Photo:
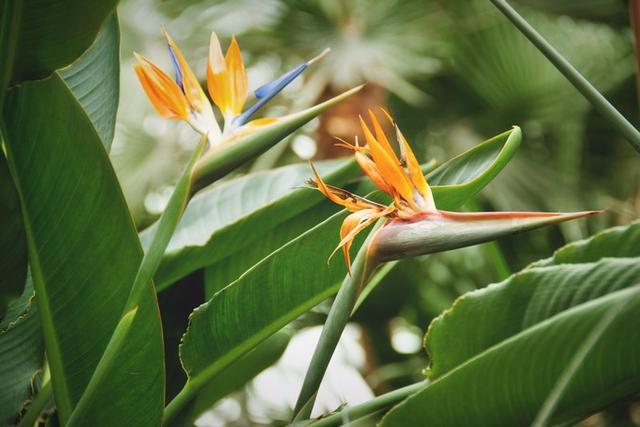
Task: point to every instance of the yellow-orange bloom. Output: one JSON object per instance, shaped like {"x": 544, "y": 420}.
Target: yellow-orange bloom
{"x": 182, "y": 97}
{"x": 227, "y": 78}
{"x": 401, "y": 178}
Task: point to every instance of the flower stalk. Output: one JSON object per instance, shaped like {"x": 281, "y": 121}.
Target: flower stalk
{"x": 341, "y": 310}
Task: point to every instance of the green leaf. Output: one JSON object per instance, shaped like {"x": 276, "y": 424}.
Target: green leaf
{"x": 235, "y": 376}
{"x": 246, "y": 144}
{"x": 486, "y": 347}
{"x": 619, "y": 241}
{"x": 94, "y": 80}
{"x": 48, "y": 35}
{"x": 275, "y": 291}
{"x": 13, "y": 245}
{"x": 76, "y": 220}
{"x": 105, "y": 367}
{"x": 239, "y": 212}
{"x": 462, "y": 177}
{"x": 21, "y": 355}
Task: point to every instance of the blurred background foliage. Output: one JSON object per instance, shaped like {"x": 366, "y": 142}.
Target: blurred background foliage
{"x": 453, "y": 72}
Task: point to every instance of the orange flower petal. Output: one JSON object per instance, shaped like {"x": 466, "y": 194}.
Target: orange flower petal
{"x": 415, "y": 172}
{"x": 388, "y": 166}
{"x": 351, "y": 226}
{"x": 366, "y": 164}
{"x": 164, "y": 94}
{"x": 354, "y": 224}
{"x": 192, "y": 89}
{"x": 342, "y": 197}
{"x": 238, "y": 84}
{"x": 380, "y": 136}
{"x": 217, "y": 82}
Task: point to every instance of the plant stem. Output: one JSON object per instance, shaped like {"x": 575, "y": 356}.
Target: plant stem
{"x": 596, "y": 99}
{"x": 336, "y": 322}
{"x": 381, "y": 402}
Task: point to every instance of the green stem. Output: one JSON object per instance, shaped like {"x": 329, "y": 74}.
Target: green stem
{"x": 166, "y": 227}
{"x": 337, "y": 319}
{"x": 179, "y": 404}
{"x": 374, "y": 405}
{"x": 37, "y": 406}
{"x": 598, "y": 101}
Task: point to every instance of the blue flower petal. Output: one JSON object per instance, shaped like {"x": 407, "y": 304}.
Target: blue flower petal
{"x": 266, "y": 92}
{"x": 176, "y": 65}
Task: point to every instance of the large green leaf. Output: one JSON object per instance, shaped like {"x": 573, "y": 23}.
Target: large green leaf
{"x": 93, "y": 80}
{"x": 275, "y": 291}
{"x": 238, "y": 212}
{"x": 288, "y": 281}
{"x": 51, "y": 34}
{"x": 506, "y": 346}
{"x": 13, "y": 246}
{"x": 235, "y": 376}
{"x": 619, "y": 241}
{"x": 21, "y": 355}
{"x": 84, "y": 254}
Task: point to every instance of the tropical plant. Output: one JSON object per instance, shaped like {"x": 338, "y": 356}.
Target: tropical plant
{"x": 104, "y": 324}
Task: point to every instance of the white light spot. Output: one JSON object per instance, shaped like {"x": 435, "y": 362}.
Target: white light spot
{"x": 304, "y": 147}
{"x": 405, "y": 338}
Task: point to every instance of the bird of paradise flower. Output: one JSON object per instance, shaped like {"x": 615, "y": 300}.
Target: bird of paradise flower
{"x": 416, "y": 226}
{"x": 182, "y": 97}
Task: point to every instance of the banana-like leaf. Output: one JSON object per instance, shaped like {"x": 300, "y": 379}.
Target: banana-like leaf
{"x": 76, "y": 220}
{"x": 47, "y": 35}
{"x": 239, "y": 212}
{"x": 235, "y": 376}
{"x": 619, "y": 241}
{"x": 506, "y": 346}
{"x": 13, "y": 245}
{"x": 93, "y": 80}
{"x": 288, "y": 281}
{"x": 248, "y": 142}
{"x": 21, "y": 355}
